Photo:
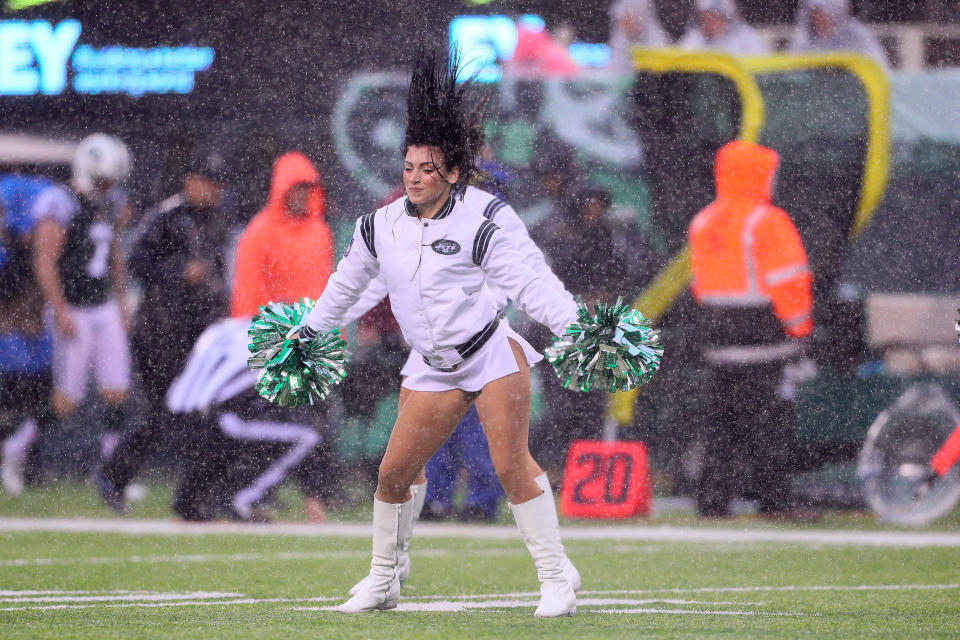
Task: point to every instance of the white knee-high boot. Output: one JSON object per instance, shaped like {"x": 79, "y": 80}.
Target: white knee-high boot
{"x": 419, "y": 493}
{"x": 573, "y": 576}
{"x": 391, "y": 526}
{"x": 537, "y": 520}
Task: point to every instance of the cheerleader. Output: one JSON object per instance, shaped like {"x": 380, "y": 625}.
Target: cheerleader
{"x": 435, "y": 256}
{"x": 498, "y": 211}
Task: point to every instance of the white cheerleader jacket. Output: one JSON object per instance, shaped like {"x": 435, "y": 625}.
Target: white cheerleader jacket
{"x": 441, "y": 274}
{"x": 496, "y": 210}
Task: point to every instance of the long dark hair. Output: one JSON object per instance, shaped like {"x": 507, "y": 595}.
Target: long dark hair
{"x": 443, "y": 113}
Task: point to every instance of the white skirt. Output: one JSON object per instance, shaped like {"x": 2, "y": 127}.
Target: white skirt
{"x": 494, "y": 360}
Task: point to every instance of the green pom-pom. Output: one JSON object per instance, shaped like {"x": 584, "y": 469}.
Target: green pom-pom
{"x": 614, "y": 349}
{"x": 294, "y": 372}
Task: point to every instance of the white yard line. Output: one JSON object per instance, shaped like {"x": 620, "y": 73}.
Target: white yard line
{"x": 436, "y": 606}
{"x": 434, "y": 530}
{"x": 125, "y": 597}
{"x": 148, "y": 605}
{"x": 48, "y": 592}
{"x": 693, "y": 590}
{"x": 191, "y": 558}
{"x": 594, "y": 606}
{"x": 772, "y": 589}
{"x": 158, "y": 600}
{"x": 438, "y": 603}
{"x": 244, "y": 557}
{"x": 298, "y": 556}
{"x": 696, "y": 612}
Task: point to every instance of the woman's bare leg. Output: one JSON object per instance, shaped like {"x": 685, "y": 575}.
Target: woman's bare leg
{"x": 401, "y": 400}
{"x": 418, "y": 489}
{"x": 504, "y": 407}
{"x": 403, "y": 396}
{"x": 424, "y": 422}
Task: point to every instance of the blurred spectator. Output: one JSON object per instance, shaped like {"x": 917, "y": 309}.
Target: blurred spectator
{"x": 718, "y": 25}
{"x": 267, "y": 270}
{"x": 25, "y": 347}
{"x": 565, "y": 35}
{"x": 494, "y": 175}
{"x": 752, "y": 284}
{"x": 829, "y": 25}
{"x": 178, "y": 256}
{"x": 553, "y": 167}
{"x": 633, "y": 23}
{"x": 466, "y": 451}
{"x": 539, "y": 54}
{"x": 244, "y": 446}
{"x": 235, "y": 460}
{"x": 583, "y": 249}
{"x": 80, "y": 273}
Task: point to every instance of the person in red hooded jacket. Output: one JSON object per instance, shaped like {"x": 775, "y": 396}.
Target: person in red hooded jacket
{"x": 752, "y": 283}
{"x": 267, "y": 270}
{"x": 295, "y": 215}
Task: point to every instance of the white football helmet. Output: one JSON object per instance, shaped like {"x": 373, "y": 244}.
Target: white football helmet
{"x": 99, "y": 156}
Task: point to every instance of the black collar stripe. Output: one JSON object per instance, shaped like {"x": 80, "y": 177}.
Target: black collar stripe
{"x": 443, "y": 213}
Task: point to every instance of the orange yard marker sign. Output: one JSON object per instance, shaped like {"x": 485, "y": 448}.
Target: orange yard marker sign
{"x": 606, "y": 479}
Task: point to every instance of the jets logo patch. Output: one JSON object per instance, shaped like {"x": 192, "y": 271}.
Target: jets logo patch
{"x": 445, "y": 247}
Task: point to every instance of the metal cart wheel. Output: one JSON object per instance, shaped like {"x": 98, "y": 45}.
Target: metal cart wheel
{"x": 894, "y": 463}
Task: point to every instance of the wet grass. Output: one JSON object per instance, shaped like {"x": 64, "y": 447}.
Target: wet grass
{"x": 124, "y": 586}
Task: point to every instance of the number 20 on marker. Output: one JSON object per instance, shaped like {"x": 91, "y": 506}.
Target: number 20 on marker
{"x": 606, "y": 480}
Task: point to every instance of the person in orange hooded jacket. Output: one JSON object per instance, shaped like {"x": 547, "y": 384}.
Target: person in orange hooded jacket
{"x": 286, "y": 252}
{"x": 753, "y": 286}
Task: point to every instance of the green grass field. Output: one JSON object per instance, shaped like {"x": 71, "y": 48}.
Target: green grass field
{"x": 738, "y": 580}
